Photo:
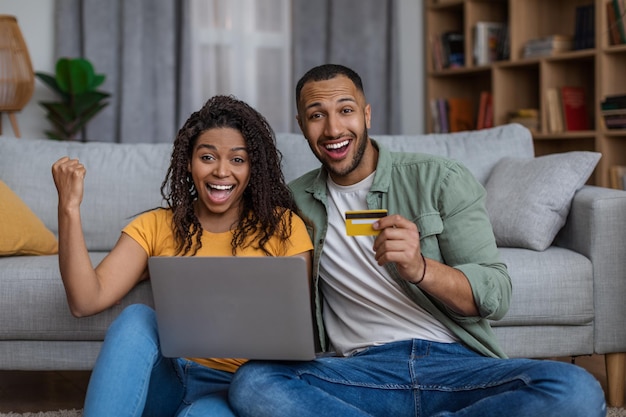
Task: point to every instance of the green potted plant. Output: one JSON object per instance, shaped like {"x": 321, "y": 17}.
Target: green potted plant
{"x": 76, "y": 83}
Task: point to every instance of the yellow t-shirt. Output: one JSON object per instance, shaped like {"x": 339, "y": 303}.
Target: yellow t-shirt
{"x": 153, "y": 231}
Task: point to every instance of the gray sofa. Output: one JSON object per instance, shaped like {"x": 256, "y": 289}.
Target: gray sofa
{"x": 567, "y": 299}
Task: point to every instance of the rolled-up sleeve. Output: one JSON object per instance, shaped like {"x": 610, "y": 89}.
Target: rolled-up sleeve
{"x": 467, "y": 243}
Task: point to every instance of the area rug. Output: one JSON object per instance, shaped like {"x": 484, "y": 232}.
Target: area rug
{"x": 60, "y": 413}
{"x": 613, "y": 412}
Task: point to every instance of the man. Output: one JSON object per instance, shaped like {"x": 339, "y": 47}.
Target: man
{"x": 406, "y": 311}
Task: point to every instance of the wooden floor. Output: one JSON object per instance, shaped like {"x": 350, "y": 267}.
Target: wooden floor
{"x": 23, "y": 392}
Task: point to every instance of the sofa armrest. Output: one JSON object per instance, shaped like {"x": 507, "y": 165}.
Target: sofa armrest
{"x": 596, "y": 228}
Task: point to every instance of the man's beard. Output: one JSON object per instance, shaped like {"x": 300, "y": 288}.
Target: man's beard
{"x": 356, "y": 159}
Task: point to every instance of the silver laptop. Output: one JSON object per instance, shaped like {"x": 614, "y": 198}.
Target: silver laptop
{"x": 233, "y": 307}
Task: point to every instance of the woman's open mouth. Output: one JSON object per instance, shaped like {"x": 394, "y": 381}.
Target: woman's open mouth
{"x": 219, "y": 192}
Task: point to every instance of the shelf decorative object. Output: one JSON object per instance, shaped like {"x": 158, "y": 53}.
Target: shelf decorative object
{"x": 17, "y": 81}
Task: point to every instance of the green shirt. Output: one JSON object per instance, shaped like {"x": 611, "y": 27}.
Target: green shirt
{"x": 447, "y": 204}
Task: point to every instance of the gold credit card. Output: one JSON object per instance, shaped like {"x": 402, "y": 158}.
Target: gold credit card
{"x": 359, "y": 222}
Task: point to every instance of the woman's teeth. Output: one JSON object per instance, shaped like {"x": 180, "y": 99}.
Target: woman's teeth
{"x": 221, "y": 187}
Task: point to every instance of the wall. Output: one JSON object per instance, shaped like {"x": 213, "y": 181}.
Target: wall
{"x": 35, "y": 18}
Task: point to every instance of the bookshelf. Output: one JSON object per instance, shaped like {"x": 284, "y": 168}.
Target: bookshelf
{"x": 517, "y": 82}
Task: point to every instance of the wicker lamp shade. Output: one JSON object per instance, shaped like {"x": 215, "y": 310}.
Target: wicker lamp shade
{"x": 17, "y": 79}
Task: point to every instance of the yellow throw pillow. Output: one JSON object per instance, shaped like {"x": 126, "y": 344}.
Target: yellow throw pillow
{"x": 21, "y": 231}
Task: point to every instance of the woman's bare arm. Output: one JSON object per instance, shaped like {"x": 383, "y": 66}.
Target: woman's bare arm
{"x": 90, "y": 290}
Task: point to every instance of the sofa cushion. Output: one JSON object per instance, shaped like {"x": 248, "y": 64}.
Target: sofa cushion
{"x": 33, "y": 305}
{"x": 22, "y": 232}
{"x": 122, "y": 180}
{"x": 528, "y": 199}
{"x": 550, "y": 288}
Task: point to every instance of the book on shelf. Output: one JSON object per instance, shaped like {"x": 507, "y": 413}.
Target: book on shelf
{"x": 615, "y": 101}
{"x": 434, "y": 115}
{"x": 437, "y": 50}
{"x": 614, "y": 112}
{"x": 526, "y": 117}
{"x": 575, "y": 114}
{"x": 547, "y": 46}
{"x": 615, "y": 122}
{"x": 460, "y": 114}
{"x": 489, "y": 112}
{"x": 453, "y": 45}
{"x": 614, "y": 119}
{"x": 617, "y": 174}
{"x": 619, "y": 8}
{"x": 584, "y": 27}
{"x": 484, "y": 107}
{"x": 442, "y": 111}
{"x": 589, "y": 39}
{"x": 615, "y": 38}
{"x": 505, "y": 45}
{"x": 578, "y": 27}
{"x": 554, "y": 111}
{"x": 489, "y": 38}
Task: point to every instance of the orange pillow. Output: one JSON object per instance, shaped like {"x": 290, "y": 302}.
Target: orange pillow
{"x": 21, "y": 231}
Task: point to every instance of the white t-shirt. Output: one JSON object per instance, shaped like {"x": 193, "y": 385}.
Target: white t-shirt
{"x": 363, "y": 305}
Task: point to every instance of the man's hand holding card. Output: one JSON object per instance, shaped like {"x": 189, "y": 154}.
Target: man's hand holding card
{"x": 359, "y": 222}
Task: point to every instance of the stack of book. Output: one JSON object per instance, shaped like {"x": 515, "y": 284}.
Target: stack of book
{"x": 525, "y": 117}
{"x": 613, "y": 110}
{"x": 547, "y": 46}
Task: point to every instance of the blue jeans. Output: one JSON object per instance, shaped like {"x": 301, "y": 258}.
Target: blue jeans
{"x": 416, "y": 378}
{"x": 132, "y": 378}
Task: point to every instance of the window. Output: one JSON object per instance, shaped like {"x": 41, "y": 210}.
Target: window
{"x": 243, "y": 48}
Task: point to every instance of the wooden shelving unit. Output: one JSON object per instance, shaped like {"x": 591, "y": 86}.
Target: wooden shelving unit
{"x": 519, "y": 82}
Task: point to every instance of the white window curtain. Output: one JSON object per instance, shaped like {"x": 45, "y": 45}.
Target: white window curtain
{"x": 243, "y": 48}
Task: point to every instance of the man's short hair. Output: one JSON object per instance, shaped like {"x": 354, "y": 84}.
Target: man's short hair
{"x": 327, "y": 72}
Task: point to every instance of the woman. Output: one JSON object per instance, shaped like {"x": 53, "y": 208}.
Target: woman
{"x": 225, "y": 195}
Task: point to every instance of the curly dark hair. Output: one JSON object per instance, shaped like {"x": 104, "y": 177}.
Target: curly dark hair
{"x": 265, "y": 199}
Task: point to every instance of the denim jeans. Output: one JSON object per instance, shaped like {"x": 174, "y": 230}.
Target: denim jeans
{"x": 416, "y": 378}
{"x": 132, "y": 378}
